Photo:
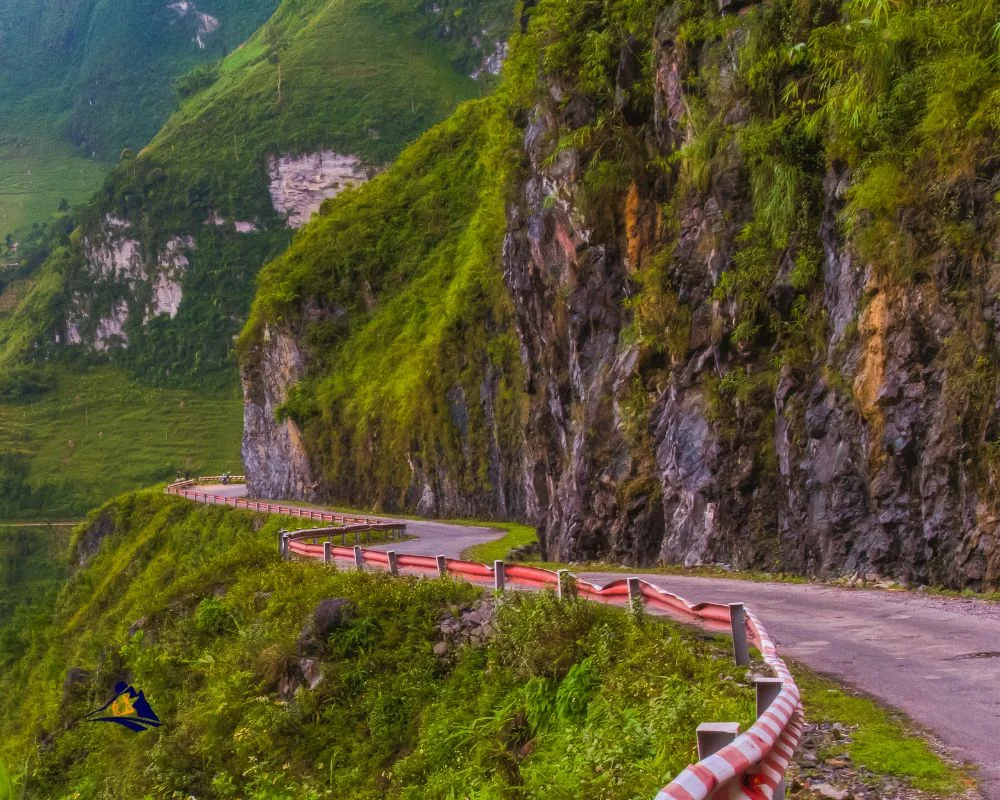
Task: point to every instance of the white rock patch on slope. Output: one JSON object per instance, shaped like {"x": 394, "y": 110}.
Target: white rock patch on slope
{"x": 207, "y": 24}
{"x": 300, "y": 184}
{"x": 111, "y": 329}
{"x": 167, "y": 289}
{"x": 493, "y": 63}
{"x": 113, "y": 256}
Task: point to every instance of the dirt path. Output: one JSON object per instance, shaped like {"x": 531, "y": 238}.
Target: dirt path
{"x": 936, "y": 659}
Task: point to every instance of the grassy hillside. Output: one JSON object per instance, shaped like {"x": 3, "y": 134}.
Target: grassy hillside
{"x": 219, "y": 621}
{"x": 98, "y": 432}
{"x": 38, "y": 172}
{"x": 32, "y": 569}
{"x": 81, "y": 79}
{"x": 411, "y": 263}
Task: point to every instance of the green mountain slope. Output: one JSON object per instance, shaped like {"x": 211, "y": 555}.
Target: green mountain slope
{"x": 749, "y": 262}
{"x": 406, "y": 326}
{"x": 359, "y": 79}
{"x": 192, "y": 606}
{"x": 81, "y": 79}
{"x": 156, "y": 273}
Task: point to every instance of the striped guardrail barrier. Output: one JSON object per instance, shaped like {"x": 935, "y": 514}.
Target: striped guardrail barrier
{"x": 731, "y": 765}
{"x": 188, "y": 490}
{"x": 751, "y": 765}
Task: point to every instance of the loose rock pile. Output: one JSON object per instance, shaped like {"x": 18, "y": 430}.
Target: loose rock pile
{"x": 465, "y": 625}
{"x": 823, "y": 770}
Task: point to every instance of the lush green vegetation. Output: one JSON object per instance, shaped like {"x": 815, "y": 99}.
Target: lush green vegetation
{"x": 99, "y": 73}
{"x": 883, "y": 742}
{"x": 356, "y": 77}
{"x": 406, "y": 270}
{"x": 192, "y": 605}
{"x": 80, "y": 80}
{"x": 37, "y": 174}
{"x": 515, "y": 536}
{"x": 560, "y": 702}
{"x": 99, "y": 432}
{"x": 32, "y": 568}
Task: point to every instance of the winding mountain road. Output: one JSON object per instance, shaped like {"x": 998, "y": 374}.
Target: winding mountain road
{"x": 936, "y": 659}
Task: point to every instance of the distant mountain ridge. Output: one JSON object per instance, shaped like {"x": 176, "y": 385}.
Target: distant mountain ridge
{"x": 159, "y": 270}
{"x": 103, "y": 71}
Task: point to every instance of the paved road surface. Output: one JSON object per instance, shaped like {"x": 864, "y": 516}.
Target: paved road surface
{"x": 937, "y": 659}
{"x": 433, "y": 538}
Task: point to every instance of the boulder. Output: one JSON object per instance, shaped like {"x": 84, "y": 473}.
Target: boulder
{"x": 330, "y": 615}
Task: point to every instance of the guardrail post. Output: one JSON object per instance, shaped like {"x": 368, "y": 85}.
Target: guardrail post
{"x": 634, "y": 595}
{"x": 281, "y": 543}
{"x": 713, "y": 736}
{"x": 768, "y": 690}
{"x": 499, "y": 576}
{"x": 359, "y": 558}
{"x": 442, "y": 563}
{"x": 284, "y": 545}
{"x": 565, "y": 587}
{"x": 327, "y": 553}
{"x": 393, "y": 563}
{"x": 741, "y": 648}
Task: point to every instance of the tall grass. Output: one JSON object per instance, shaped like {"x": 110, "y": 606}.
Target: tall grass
{"x": 11, "y": 786}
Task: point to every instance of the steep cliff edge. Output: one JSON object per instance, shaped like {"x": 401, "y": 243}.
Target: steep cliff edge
{"x": 750, "y": 261}
{"x": 383, "y": 336}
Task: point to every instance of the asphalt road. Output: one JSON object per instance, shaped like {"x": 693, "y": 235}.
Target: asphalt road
{"x": 936, "y": 659}
{"x": 433, "y": 538}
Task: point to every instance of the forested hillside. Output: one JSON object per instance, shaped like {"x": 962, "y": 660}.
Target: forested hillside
{"x": 155, "y": 274}
{"x": 748, "y": 264}
{"x": 81, "y": 79}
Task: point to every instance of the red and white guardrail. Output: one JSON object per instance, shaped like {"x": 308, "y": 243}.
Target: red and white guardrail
{"x": 188, "y": 489}
{"x": 750, "y": 766}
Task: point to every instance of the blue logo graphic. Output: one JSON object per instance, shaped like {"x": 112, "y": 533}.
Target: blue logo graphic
{"x": 128, "y": 708}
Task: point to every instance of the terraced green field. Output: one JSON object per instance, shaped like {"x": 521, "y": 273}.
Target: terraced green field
{"x": 100, "y": 433}
{"x": 37, "y": 171}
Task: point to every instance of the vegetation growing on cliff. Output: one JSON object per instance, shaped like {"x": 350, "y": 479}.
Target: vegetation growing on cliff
{"x": 765, "y": 186}
{"x": 397, "y": 295}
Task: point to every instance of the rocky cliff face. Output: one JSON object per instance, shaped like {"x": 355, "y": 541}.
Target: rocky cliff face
{"x": 300, "y": 184}
{"x": 743, "y": 340}
{"x": 274, "y": 454}
{"x": 865, "y": 455}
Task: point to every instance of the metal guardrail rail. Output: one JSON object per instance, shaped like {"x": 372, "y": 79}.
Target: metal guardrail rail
{"x": 731, "y": 766}
{"x": 188, "y": 489}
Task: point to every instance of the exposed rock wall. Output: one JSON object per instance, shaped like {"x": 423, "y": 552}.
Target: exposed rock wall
{"x": 274, "y": 454}
{"x": 300, "y": 184}
{"x": 856, "y": 462}
{"x": 115, "y": 261}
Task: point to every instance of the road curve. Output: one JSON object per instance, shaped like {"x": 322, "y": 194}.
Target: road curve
{"x": 433, "y": 538}
{"x": 936, "y": 659}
